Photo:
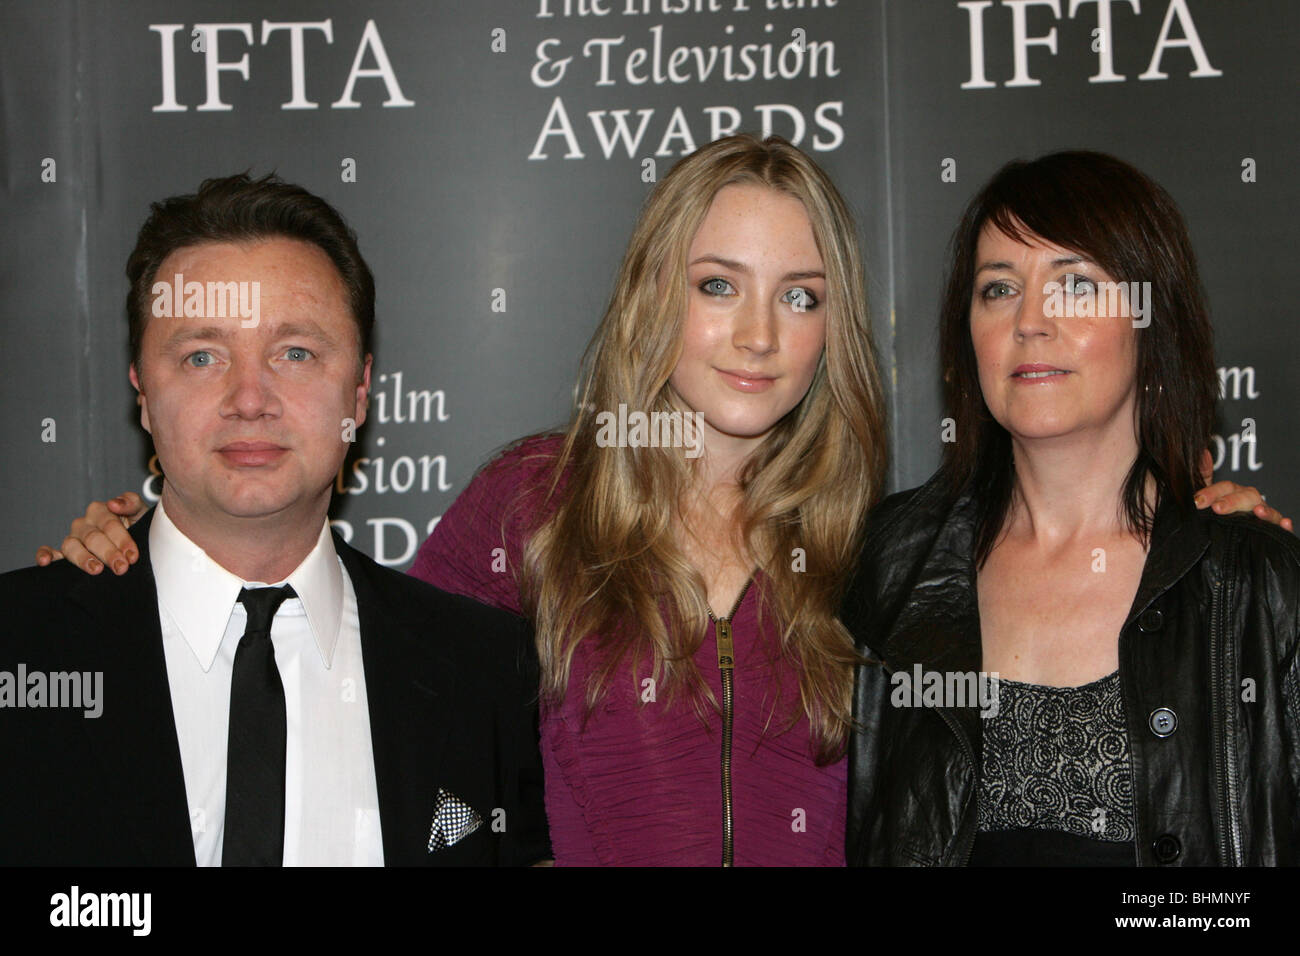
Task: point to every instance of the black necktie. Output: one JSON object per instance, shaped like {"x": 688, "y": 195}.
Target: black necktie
{"x": 254, "y": 829}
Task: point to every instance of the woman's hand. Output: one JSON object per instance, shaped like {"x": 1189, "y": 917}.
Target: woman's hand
{"x": 100, "y": 537}
{"x": 1225, "y": 497}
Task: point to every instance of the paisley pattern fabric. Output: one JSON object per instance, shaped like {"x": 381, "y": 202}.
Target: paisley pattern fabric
{"x": 1058, "y": 758}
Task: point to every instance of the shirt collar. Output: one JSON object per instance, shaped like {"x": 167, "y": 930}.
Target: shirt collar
{"x": 200, "y": 595}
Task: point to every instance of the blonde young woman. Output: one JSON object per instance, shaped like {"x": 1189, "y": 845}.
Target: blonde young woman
{"x": 696, "y": 680}
{"x": 695, "y": 676}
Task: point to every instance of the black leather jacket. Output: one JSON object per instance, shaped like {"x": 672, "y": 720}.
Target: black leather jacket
{"x": 1208, "y": 666}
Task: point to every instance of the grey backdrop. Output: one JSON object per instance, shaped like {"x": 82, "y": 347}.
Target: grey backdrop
{"x": 460, "y": 199}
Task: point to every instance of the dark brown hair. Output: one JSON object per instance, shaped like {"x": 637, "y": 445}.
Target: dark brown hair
{"x": 1102, "y": 208}
{"x": 239, "y": 209}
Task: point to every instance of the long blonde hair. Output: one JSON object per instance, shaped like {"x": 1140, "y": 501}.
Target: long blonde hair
{"x": 604, "y": 563}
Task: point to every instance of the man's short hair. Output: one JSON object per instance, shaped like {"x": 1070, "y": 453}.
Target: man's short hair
{"x": 240, "y": 209}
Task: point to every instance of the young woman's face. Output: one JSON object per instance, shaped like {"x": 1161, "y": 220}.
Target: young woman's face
{"x": 1055, "y": 357}
{"x": 755, "y": 322}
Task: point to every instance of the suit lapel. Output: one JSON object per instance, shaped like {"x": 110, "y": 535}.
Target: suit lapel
{"x": 410, "y": 687}
{"x": 135, "y": 736}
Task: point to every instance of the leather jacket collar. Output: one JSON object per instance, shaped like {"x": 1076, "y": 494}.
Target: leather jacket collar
{"x": 938, "y": 628}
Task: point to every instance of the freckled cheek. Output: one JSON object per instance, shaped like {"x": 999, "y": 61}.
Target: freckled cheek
{"x": 699, "y": 337}
{"x": 694, "y": 349}
{"x": 807, "y": 345}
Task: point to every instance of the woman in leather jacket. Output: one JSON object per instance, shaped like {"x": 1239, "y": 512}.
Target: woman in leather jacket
{"x": 1064, "y": 661}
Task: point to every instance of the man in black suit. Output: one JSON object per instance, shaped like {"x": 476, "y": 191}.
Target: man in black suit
{"x": 254, "y": 691}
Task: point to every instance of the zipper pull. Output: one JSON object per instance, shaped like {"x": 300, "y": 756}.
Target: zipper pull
{"x": 726, "y": 651}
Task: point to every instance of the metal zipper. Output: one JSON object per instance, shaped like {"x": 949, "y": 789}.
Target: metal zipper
{"x": 1223, "y": 722}
{"x": 726, "y": 663}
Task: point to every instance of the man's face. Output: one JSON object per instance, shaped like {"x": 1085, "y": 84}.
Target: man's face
{"x": 251, "y": 422}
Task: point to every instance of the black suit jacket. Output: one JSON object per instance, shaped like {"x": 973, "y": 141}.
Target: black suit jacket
{"x": 452, "y": 687}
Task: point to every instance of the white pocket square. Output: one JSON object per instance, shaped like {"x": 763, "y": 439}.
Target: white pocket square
{"x": 453, "y": 820}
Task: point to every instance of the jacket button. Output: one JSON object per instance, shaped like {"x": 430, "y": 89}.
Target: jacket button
{"x": 1150, "y": 620}
{"x": 1167, "y": 848}
{"x": 1162, "y": 721}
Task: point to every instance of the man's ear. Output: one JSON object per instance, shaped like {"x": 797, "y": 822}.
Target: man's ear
{"x": 140, "y": 398}
{"x": 363, "y": 392}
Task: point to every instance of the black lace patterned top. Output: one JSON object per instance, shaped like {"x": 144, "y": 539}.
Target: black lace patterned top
{"x": 1058, "y": 759}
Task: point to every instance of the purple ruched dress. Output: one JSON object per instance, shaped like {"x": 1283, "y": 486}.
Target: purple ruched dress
{"x": 637, "y": 782}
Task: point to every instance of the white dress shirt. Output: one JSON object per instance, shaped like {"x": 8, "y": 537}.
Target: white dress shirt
{"x": 331, "y": 802}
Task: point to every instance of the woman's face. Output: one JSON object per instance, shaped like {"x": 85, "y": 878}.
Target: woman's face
{"x": 755, "y": 320}
{"x": 1053, "y": 361}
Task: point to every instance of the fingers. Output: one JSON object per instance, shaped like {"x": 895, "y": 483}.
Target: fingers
{"x": 1273, "y": 516}
{"x": 100, "y": 538}
{"x": 128, "y": 506}
{"x": 112, "y": 527}
{"x": 1268, "y": 513}
{"x": 100, "y": 535}
{"x": 1225, "y": 497}
{"x": 78, "y": 555}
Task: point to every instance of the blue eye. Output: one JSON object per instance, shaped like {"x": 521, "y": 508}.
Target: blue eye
{"x": 200, "y": 359}
{"x": 716, "y": 286}
{"x": 1077, "y": 283}
{"x": 800, "y": 299}
{"x": 297, "y": 354}
{"x": 997, "y": 289}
